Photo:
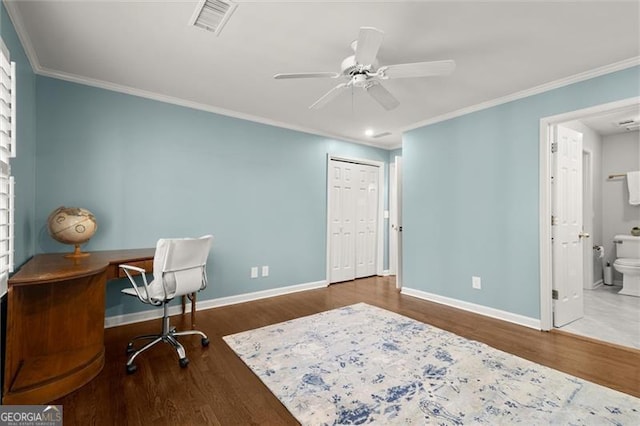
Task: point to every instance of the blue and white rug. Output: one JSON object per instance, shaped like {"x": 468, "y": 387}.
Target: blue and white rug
{"x": 362, "y": 364}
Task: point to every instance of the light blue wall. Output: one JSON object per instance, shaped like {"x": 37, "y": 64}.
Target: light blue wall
{"x": 394, "y": 153}
{"x": 471, "y": 196}
{"x": 23, "y": 166}
{"x": 148, "y": 169}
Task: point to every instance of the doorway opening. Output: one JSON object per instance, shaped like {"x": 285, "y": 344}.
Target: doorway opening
{"x": 602, "y": 213}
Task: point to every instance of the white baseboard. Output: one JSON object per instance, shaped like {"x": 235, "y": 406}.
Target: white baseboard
{"x": 595, "y": 285}
{"x": 477, "y": 309}
{"x": 123, "y": 319}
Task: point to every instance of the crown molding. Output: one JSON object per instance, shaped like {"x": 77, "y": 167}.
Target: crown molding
{"x": 23, "y": 36}
{"x": 73, "y": 78}
{"x": 14, "y": 15}
{"x": 16, "y": 19}
{"x": 576, "y": 78}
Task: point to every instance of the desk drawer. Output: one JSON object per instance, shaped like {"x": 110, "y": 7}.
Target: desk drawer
{"x": 147, "y": 265}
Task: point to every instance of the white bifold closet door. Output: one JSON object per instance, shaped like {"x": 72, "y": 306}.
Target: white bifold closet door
{"x": 353, "y": 220}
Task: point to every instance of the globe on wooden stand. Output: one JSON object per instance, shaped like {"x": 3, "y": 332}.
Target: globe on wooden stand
{"x": 72, "y": 225}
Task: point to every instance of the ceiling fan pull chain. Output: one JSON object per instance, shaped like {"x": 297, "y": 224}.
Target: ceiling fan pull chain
{"x": 353, "y": 103}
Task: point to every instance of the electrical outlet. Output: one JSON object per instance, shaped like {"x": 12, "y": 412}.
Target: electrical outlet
{"x": 254, "y": 272}
{"x": 265, "y": 271}
{"x": 476, "y": 283}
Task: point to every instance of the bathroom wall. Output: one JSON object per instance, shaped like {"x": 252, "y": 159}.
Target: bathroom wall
{"x": 592, "y": 142}
{"x": 620, "y": 154}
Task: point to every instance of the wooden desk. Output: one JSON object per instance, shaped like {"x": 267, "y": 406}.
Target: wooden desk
{"x": 55, "y": 322}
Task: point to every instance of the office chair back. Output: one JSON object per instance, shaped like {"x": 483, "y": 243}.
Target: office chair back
{"x": 179, "y": 268}
{"x": 180, "y": 265}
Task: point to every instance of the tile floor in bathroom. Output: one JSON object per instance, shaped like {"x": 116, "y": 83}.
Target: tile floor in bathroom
{"x": 609, "y": 316}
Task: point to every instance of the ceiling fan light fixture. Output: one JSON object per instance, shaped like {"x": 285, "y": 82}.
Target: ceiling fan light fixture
{"x": 212, "y": 15}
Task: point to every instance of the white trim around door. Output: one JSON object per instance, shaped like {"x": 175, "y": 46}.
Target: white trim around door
{"x": 545, "y": 204}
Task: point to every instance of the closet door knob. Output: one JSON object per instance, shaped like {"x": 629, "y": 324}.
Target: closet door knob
{"x": 584, "y": 235}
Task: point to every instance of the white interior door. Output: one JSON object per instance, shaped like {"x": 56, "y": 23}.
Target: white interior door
{"x": 353, "y": 220}
{"x": 393, "y": 220}
{"x": 361, "y": 221}
{"x": 567, "y": 227}
{"x": 341, "y": 221}
{"x": 371, "y": 219}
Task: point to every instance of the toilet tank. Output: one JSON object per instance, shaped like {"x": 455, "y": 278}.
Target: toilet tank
{"x": 627, "y": 246}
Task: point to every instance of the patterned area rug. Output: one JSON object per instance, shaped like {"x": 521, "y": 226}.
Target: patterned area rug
{"x": 362, "y": 364}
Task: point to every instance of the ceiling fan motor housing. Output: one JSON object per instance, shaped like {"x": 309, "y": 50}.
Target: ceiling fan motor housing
{"x": 350, "y": 67}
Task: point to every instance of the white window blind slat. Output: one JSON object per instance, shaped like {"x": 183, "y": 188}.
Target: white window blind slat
{"x": 7, "y": 151}
{"x": 12, "y": 212}
{"x": 14, "y": 109}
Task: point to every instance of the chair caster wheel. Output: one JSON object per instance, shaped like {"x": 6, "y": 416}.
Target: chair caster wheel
{"x": 184, "y": 362}
{"x": 131, "y": 368}
{"x": 205, "y": 342}
{"x": 130, "y": 349}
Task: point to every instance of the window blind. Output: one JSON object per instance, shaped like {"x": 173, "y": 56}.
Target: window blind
{"x": 7, "y": 151}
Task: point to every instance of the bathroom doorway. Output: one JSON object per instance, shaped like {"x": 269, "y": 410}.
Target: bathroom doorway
{"x": 611, "y": 143}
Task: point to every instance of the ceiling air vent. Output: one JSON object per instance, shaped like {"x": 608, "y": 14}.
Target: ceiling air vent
{"x": 630, "y": 124}
{"x": 211, "y": 15}
{"x": 380, "y": 135}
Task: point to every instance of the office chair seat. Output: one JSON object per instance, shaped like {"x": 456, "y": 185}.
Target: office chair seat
{"x": 179, "y": 268}
{"x": 156, "y": 292}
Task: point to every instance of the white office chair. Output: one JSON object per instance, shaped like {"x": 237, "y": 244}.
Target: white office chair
{"x": 179, "y": 268}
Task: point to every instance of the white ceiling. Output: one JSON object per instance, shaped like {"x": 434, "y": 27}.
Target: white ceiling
{"x": 608, "y": 123}
{"x": 500, "y": 47}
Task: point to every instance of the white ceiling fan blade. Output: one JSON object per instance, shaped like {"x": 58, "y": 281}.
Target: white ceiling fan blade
{"x": 382, "y": 95}
{"x": 369, "y": 41}
{"x": 330, "y": 95}
{"x": 306, "y": 75}
{"x": 418, "y": 69}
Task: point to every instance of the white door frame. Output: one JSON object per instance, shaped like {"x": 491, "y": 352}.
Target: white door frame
{"x": 546, "y": 125}
{"x": 587, "y": 219}
{"x": 393, "y": 219}
{"x": 399, "y": 201}
{"x": 380, "y": 231}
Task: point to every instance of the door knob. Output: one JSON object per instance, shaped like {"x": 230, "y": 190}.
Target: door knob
{"x": 583, "y": 235}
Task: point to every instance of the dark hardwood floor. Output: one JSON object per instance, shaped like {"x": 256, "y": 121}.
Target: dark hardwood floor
{"x": 217, "y": 388}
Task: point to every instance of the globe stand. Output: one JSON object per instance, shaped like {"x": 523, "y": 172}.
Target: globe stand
{"x": 76, "y": 253}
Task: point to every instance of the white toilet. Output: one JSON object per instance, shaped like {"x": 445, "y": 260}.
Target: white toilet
{"x": 628, "y": 263}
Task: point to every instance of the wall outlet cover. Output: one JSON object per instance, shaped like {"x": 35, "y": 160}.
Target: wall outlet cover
{"x": 254, "y": 272}
{"x": 265, "y": 271}
{"x": 476, "y": 283}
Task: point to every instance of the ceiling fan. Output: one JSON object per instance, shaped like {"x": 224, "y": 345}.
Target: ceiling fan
{"x": 362, "y": 70}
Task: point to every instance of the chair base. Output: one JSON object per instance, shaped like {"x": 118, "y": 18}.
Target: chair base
{"x": 169, "y": 335}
